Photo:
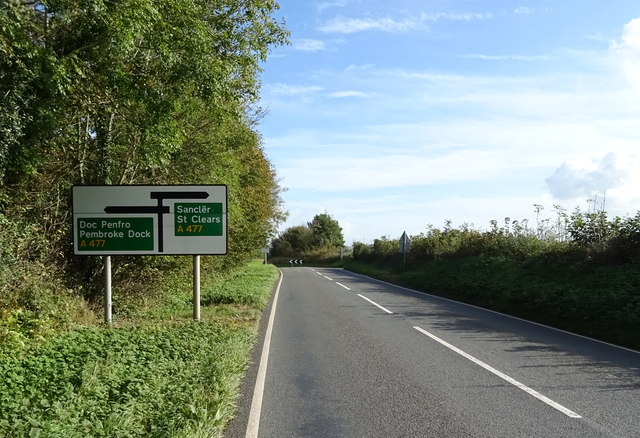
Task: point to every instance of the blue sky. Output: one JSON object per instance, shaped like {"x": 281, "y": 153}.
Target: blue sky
{"x": 391, "y": 116}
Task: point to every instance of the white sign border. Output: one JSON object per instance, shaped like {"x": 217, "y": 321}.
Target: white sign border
{"x": 129, "y": 195}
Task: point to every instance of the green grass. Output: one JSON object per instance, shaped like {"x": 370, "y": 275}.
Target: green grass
{"x": 154, "y": 373}
{"x": 597, "y": 300}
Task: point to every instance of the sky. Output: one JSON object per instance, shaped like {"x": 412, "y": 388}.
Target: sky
{"x": 393, "y": 116}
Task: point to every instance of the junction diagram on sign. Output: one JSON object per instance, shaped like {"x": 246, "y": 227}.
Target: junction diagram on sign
{"x": 150, "y": 220}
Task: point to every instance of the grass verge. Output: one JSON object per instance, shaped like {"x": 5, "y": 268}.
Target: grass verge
{"x": 154, "y": 373}
{"x": 599, "y": 301}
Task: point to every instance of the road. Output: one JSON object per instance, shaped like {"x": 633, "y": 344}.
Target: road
{"x": 349, "y": 356}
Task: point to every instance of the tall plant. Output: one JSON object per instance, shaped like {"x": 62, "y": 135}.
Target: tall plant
{"x": 134, "y": 91}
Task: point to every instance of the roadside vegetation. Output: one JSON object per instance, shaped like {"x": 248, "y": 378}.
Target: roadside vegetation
{"x": 154, "y": 373}
{"x": 140, "y": 92}
{"x": 131, "y": 92}
{"x": 579, "y": 272}
{"x": 317, "y": 242}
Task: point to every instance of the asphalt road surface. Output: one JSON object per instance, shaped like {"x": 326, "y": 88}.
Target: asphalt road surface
{"x": 349, "y": 356}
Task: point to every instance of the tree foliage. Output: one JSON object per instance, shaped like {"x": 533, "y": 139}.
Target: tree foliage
{"x": 326, "y": 231}
{"x": 107, "y": 84}
{"x": 580, "y": 272}
{"x": 589, "y": 234}
{"x": 131, "y": 92}
{"x": 321, "y": 233}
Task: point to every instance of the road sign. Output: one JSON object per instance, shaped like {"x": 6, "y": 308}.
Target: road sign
{"x": 150, "y": 220}
{"x": 198, "y": 219}
{"x": 115, "y": 234}
{"x": 405, "y": 246}
{"x": 405, "y": 243}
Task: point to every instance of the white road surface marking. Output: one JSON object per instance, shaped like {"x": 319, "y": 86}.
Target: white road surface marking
{"x": 253, "y": 424}
{"x": 503, "y": 376}
{"x": 375, "y": 304}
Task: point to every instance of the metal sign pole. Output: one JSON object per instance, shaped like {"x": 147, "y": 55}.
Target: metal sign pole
{"x": 107, "y": 289}
{"x": 404, "y": 260}
{"x": 196, "y": 287}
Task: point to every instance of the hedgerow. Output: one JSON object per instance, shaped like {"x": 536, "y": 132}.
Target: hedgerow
{"x": 583, "y": 276}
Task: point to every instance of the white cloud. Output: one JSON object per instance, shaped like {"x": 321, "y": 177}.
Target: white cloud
{"x": 321, "y": 7}
{"x": 599, "y": 37}
{"x": 508, "y": 57}
{"x": 352, "y": 25}
{"x": 527, "y": 10}
{"x": 342, "y": 94}
{"x": 628, "y": 50}
{"x": 523, "y": 10}
{"x": 439, "y": 153}
{"x": 613, "y": 178}
{"x": 346, "y": 25}
{"x": 354, "y": 67}
{"x": 292, "y": 90}
{"x": 581, "y": 179}
{"x": 455, "y": 16}
{"x": 309, "y": 45}
{"x": 362, "y": 172}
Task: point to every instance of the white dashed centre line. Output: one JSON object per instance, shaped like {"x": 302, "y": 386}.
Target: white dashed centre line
{"x": 375, "y": 304}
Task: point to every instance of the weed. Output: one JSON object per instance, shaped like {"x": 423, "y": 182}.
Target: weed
{"x": 148, "y": 377}
{"x": 584, "y": 277}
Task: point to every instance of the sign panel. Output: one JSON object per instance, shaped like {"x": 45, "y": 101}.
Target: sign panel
{"x": 115, "y": 234}
{"x": 405, "y": 243}
{"x": 150, "y": 220}
{"x": 198, "y": 219}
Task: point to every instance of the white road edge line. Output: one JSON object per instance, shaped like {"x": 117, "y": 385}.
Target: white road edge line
{"x": 503, "y": 376}
{"x": 330, "y": 279}
{"x": 437, "y": 297}
{"x": 376, "y": 304}
{"x": 340, "y": 284}
{"x": 253, "y": 424}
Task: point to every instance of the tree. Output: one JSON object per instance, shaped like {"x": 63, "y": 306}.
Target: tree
{"x": 326, "y": 231}
{"x": 293, "y": 241}
{"x": 134, "y": 92}
{"x": 104, "y": 86}
{"x": 322, "y": 232}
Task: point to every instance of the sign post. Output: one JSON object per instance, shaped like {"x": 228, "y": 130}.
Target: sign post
{"x": 107, "y": 290}
{"x": 196, "y": 287}
{"x": 150, "y": 220}
{"x": 405, "y": 243}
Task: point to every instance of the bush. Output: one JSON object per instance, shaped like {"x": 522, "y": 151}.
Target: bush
{"x": 142, "y": 377}
{"x": 125, "y": 382}
{"x": 590, "y": 285}
{"x": 34, "y": 300}
{"x": 361, "y": 250}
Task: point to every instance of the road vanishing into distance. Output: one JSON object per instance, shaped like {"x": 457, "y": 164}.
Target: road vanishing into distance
{"x": 349, "y": 356}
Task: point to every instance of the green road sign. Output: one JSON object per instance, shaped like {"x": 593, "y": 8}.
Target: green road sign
{"x": 150, "y": 220}
{"x": 114, "y": 234}
{"x": 198, "y": 219}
